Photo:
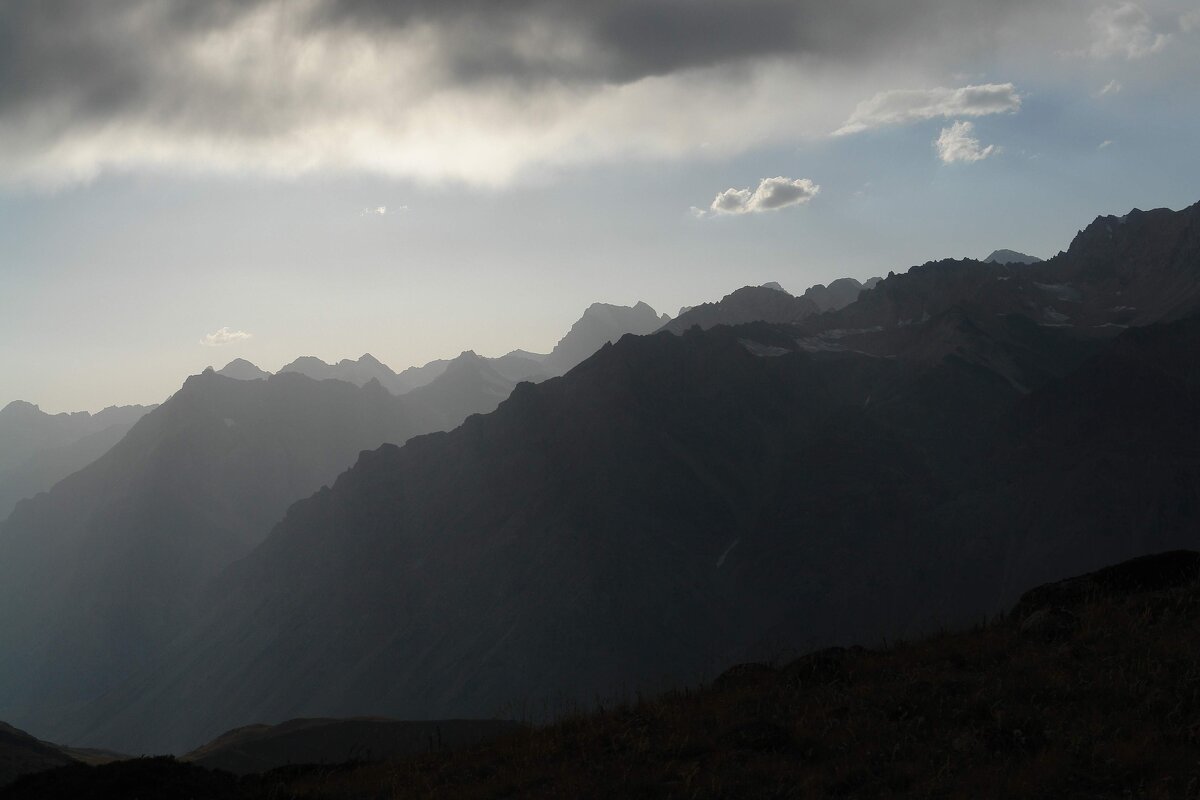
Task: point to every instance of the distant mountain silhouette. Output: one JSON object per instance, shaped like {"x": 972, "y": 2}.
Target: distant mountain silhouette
{"x": 26, "y": 430}
{"x": 470, "y": 385}
{"x": 360, "y": 372}
{"x": 194, "y": 486}
{"x": 680, "y": 502}
{"x": 838, "y": 294}
{"x": 769, "y": 303}
{"x": 600, "y": 324}
{"x": 38, "y": 449}
{"x": 748, "y": 304}
{"x": 673, "y": 504}
{"x": 242, "y": 370}
{"x": 1010, "y": 257}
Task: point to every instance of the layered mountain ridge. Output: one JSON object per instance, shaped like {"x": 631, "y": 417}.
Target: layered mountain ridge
{"x": 680, "y": 502}
{"x": 38, "y": 449}
{"x": 684, "y": 500}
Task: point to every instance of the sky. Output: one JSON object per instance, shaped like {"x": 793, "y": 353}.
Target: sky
{"x": 184, "y": 183}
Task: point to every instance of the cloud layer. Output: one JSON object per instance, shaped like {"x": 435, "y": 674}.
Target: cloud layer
{"x": 483, "y": 92}
{"x": 1124, "y": 31}
{"x": 224, "y": 336}
{"x": 770, "y": 195}
{"x": 900, "y": 106}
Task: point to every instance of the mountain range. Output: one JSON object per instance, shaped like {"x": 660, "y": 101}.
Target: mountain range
{"x": 192, "y": 488}
{"x": 764, "y": 474}
{"x": 600, "y": 324}
{"x": 769, "y": 303}
{"x": 38, "y": 449}
{"x": 682, "y": 501}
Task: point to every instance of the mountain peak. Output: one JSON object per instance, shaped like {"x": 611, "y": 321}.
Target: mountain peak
{"x": 20, "y": 407}
{"x": 601, "y": 323}
{"x": 242, "y": 370}
{"x": 1010, "y": 257}
{"x": 774, "y": 285}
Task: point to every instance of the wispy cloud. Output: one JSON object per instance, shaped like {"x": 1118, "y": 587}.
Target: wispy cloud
{"x": 374, "y": 211}
{"x": 1112, "y": 87}
{"x": 1104, "y": 144}
{"x": 900, "y": 106}
{"x": 1125, "y": 31}
{"x": 958, "y": 144}
{"x": 224, "y": 336}
{"x": 770, "y": 195}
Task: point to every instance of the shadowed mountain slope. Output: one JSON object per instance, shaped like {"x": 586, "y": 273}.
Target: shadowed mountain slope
{"x": 677, "y": 503}
{"x": 21, "y": 754}
{"x": 106, "y": 565}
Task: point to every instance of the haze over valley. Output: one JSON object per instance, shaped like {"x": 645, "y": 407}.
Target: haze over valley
{"x": 662, "y": 400}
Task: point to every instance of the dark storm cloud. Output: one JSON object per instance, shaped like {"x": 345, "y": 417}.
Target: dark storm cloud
{"x": 630, "y": 39}
{"x": 109, "y": 56}
{"x": 470, "y": 88}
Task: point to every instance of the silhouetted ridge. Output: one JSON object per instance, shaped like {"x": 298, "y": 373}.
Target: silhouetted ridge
{"x": 748, "y": 304}
{"x": 242, "y": 370}
{"x": 678, "y": 503}
{"x": 601, "y": 323}
{"x": 1010, "y": 257}
{"x": 38, "y": 449}
{"x": 22, "y": 754}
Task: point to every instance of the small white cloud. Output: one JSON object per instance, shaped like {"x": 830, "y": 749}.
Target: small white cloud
{"x": 1112, "y": 87}
{"x": 771, "y": 195}
{"x": 224, "y": 336}
{"x": 900, "y": 106}
{"x": 374, "y": 211}
{"x": 1104, "y": 144}
{"x": 957, "y": 143}
{"x": 1124, "y": 30}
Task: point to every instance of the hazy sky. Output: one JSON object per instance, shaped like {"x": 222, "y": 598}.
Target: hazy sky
{"x": 184, "y": 183}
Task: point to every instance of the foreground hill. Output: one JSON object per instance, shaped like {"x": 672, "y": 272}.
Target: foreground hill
{"x": 677, "y": 503}
{"x": 21, "y": 754}
{"x": 260, "y": 748}
{"x": 1082, "y": 691}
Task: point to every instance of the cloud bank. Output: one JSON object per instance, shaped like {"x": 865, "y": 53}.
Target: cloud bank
{"x": 1124, "y": 31}
{"x": 770, "y": 195}
{"x": 224, "y": 336}
{"x": 486, "y": 92}
{"x": 900, "y": 106}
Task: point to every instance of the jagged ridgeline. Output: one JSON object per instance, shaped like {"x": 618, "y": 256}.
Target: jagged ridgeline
{"x": 677, "y": 503}
{"x": 784, "y": 472}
